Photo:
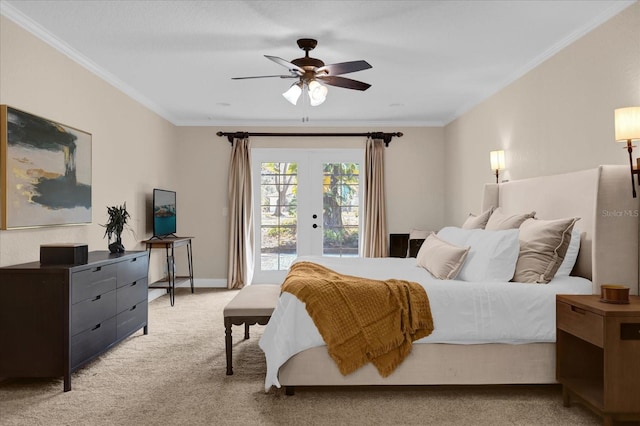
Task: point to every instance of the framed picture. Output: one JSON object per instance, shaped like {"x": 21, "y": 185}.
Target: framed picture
{"x": 45, "y": 169}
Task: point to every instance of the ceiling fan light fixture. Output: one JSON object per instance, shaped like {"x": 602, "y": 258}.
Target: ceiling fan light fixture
{"x": 293, "y": 93}
{"x": 309, "y": 70}
{"x": 317, "y": 93}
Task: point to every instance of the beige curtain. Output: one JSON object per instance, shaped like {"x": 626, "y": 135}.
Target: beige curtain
{"x": 374, "y": 240}
{"x": 240, "y": 268}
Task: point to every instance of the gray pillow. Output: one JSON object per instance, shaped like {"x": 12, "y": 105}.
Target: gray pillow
{"x": 543, "y": 245}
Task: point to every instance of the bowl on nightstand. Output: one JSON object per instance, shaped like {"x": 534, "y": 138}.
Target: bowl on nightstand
{"x": 614, "y": 293}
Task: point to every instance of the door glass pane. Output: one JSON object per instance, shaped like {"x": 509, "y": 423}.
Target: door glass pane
{"x": 278, "y": 215}
{"x": 340, "y": 209}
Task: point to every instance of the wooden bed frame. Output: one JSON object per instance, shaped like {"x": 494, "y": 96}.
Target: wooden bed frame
{"x": 608, "y": 213}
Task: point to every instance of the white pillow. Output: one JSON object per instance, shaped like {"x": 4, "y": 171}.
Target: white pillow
{"x": 572, "y": 254}
{"x": 442, "y": 259}
{"x": 492, "y": 256}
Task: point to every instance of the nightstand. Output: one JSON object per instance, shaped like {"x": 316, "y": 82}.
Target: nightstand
{"x": 598, "y": 355}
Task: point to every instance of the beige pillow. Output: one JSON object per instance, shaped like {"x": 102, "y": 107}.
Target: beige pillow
{"x": 418, "y": 234}
{"x": 543, "y": 245}
{"x": 442, "y": 259}
{"x": 500, "y": 221}
{"x": 477, "y": 222}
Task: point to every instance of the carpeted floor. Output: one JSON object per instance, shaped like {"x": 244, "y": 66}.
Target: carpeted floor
{"x": 176, "y": 376}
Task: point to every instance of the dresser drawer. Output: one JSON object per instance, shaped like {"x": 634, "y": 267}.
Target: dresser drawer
{"x": 132, "y": 319}
{"x": 132, "y": 270}
{"x": 88, "y": 313}
{"x": 93, "y": 341}
{"x": 131, "y": 294}
{"x": 92, "y": 282}
{"x": 581, "y": 323}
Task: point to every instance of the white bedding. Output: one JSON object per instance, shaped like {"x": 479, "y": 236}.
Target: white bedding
{"x": 463, "y": 312}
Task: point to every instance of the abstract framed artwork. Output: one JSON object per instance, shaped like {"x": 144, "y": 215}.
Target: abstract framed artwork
{"x": 45, "y": 169}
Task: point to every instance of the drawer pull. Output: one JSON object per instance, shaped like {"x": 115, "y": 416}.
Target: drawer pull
{"x": 134, "y": 283}
{"x": 134, "y": 259}
{"x": 578, "y": 310}
{"x": 134, "y": 307}
{"x": 96, "y": 327}
{"x": 98, "y": 297}
{"x": 98, "y": 269}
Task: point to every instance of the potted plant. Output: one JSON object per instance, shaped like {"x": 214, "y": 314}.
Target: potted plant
{"x": 118, "y": 218}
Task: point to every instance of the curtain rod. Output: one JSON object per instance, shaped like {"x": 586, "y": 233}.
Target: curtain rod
{"x": 386, "y": 137}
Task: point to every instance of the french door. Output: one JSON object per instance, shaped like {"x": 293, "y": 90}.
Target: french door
{"x": 306, "y": 202}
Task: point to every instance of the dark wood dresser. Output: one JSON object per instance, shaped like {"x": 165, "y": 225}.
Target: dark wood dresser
{"x": 55, "y": 318}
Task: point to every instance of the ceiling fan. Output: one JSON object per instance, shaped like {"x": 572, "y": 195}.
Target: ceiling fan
{"x": 311, "y": 72}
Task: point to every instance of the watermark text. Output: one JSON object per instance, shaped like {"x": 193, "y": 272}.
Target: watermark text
{"x": 621, "y": 213}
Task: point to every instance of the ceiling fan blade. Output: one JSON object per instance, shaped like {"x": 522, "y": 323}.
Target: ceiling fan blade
{"x": 264, "y": 76}
{"x": 347, "y": 83}
{"x": 344, "y": 67}
{"x": 293, "y": 68}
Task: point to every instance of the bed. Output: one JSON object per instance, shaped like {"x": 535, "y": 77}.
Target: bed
{"x": 509, "y": 352}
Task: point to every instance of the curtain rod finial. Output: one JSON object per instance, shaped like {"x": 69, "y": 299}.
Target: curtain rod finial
{"x": 228, "y": 135}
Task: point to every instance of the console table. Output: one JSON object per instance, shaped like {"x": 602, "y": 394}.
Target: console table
{"x": 169, "y": 244}
{"x": 56, "y": 318}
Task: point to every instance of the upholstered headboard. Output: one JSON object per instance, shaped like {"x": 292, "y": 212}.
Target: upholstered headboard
{"x": 608, "y": 213}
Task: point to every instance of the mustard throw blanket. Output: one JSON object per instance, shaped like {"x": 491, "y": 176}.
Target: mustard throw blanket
{"x": 362, "y": 320}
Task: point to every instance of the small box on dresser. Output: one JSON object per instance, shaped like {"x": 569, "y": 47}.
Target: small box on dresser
{"x": 598, "y": 355}
{"x": 56, "y": 318}
{"x": 64, "y": 254}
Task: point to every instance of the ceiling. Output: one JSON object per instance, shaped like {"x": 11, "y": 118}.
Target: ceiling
{"x": 432, "y": 60}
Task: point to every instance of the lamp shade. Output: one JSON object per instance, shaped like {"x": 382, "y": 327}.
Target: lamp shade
{"x": 627, "y": 123}
{"x": 497, "y": 160}
{"x": 317, "y": 93}
{"x": 293, "y": 93}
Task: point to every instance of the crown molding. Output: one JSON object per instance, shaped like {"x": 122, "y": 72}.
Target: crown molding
{"x": 615, "y": 8}
{"x": 40, "y": 32}
{"x": 311, "y": 123}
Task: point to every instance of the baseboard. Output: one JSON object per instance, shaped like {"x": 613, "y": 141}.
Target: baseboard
{"x": 205, "y": 283}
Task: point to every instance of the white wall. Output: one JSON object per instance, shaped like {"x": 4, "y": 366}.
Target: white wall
{"x": 556, "y": 118}
{"x": 132, "y": 148}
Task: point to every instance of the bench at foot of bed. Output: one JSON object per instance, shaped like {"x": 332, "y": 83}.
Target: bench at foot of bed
{"x": 254, "y": 304}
